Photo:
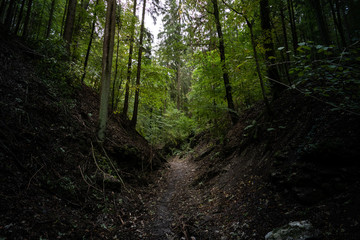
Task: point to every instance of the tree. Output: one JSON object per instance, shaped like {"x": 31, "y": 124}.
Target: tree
{"x": 272, "y": 71}
{"x": 69, "y": 23}
{"x": 20, "y": 17}
{"x": 322, "y": 25}
{"x": 90, "y": 43}
{"x": 131, "y": 49}
{"x": 51, "y": 17}
{"x": 232, "y": 112}
{"x": 108, "y": 48}
{"x": 27, "y": 19}
{"x": 290, "y": 6}
{"x": 138, "y": 73}
{"x": 172, "y": 46}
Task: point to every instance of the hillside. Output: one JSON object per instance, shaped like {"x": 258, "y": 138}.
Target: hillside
{"x": 56, "y": 180}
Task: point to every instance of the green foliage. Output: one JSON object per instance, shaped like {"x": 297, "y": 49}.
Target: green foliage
{"x": 320, "y": 71}
{"x": 58, "y": 74}
{"x": 171, "y": 127}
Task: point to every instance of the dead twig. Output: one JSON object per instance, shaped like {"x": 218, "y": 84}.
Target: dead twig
{"x": 90, "y": 185}
{"x": 34, "y": 176}
{"x": 116, "y": 171}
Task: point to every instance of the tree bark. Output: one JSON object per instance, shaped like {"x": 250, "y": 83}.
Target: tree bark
{"x": 286, "y": 43}
{"x": 27, "y": 19}
{"x": 69, "y": 23}
{"x": 272, "y": 71}
{"x": 232, "y": 112}
{"x": 63, "y": 18}
{"x": 253, "y": 44}
{"x": 340, "y": 23}
{"x": 20, "y": 17}
{"x": 10, "y": 15}
{"x": 108, "y": 48}
{"x": 290, "y": 6}
{"x": 323, "y": 28}
{"x": 2, "y": 11}
{"x": 138, "y": 73}
{"x": 89, "y": 45}
{"x": 128, "y": 77}
{"x": 116, "y": 71}
{"x": 51, "y": 17}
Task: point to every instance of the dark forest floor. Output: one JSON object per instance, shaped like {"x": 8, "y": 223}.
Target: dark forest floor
{"x": 58, "y": 183}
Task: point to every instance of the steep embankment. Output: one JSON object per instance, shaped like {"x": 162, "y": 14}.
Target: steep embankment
{"x": 55, "y": 180}
{"x": 301, "y": 164}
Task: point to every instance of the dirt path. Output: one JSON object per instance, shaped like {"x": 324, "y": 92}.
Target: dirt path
{"x": 174, "y": 198}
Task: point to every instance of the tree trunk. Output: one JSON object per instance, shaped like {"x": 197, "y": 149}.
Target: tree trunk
{"x": 108, "y": 48}
{"x": 232, "y": 112}
{"x": 10, "y": 15}
{"x": 138, "y": 74}
{"x": 27, "y": 19}
{"x": 51, "y": 17}
{"x": 64, "y": 17}
{"x": 178, "y": 87}
{"x": 89, "y": 45}
{"x": 323, "y": 28}
{"x": 253, "y": 44}
{"x": 291, "y": 11}
{"x": 128, "y": 77}
{"x": 2, "y": 10}
{"x": 286, "y": 44}
{"x": 340, "y": 23}
{"x": 20, "y": 17}
{"x": 69, "y": 23}
{"x": 116, "y": 69}
{"x": 77, "y": 28}
{"x": 272, "y": 71}
{"x": 39, "y": 20}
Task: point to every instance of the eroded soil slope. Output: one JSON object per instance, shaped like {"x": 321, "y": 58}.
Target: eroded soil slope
{"x": 300, "y": 164}
{"x": 54, "y": 176}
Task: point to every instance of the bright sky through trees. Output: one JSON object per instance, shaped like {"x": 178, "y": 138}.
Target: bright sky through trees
{"x": 154, "y": 28}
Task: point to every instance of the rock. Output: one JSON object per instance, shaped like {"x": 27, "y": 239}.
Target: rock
{"x": 299, "y": 230}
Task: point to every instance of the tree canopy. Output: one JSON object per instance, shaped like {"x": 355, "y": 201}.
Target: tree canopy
{"x": 215, "y": 58}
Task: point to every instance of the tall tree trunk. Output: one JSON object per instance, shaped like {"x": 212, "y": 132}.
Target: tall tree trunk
{"x": 232, "y": 112}
{"x": 69, "y": 23}
{"x": 178, "y": 86}
{"x": 108, "y": 48}
{"x": 89, "y": 45}
{"x": 294, "y": 36}
{"x": 20, "y": 17}
{"x": 27, "y": 19}
{"x": 178, "y": 64}
{"x": 128, "y": 77}
{"x": 272, "y": 71}
{"x": 77, "y": 28}
{"x": 63, "y": 18}
{"x": 51, "y": 17}
{"x": 116, "y": 70}
{"x": 2, "y": 11}
{"x": 253, "y": 44}
{"x": 340, "y": 22}
{"x": 286, "y": 43}
{"x": 39, "y": 20}
{"x": 10, "y": 15}
{"x": 138, "y": 74}
{"x": 323, "y": 28}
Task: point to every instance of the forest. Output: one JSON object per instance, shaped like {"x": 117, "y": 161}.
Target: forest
{"x": 235, "y": 119}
